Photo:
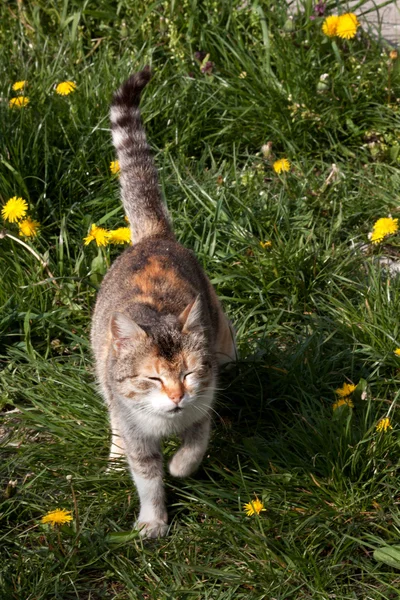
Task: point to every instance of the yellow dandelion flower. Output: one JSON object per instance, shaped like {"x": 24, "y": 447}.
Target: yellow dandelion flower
{"x": 267, "y": 244}
{"x": 345, "y": 390}
{"x": 397, "y": 352}
{"x": 57, "y": 517}
{"x": 343, "y": 402}
{"x": 122, "y": 235}
{"x": 28, "y": 227}
{"x": 329, "y": 26}
{"x": 281, "y": 165}
{"x": 14, "y": 209}
{"x": 19, "y": 85}
{"x": 18, "y": 102}
{"x": 98, "y": 235}
{"x": 65, "y": 87}
{"x": 347, "y": 26}
{"x": 383, "y": 425}
{"x": 382, "y": 228}
{"x": 114, "y": 167}
{"x": 255, "y": 506}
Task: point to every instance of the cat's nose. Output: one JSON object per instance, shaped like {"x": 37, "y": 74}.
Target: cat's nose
{"x": 176, "y": 396}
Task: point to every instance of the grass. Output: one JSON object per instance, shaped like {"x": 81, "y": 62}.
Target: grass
{"x": 312, "y": 311}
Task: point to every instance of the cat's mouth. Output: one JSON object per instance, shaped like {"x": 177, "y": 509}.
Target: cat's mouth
{"x": 175, "y": 410}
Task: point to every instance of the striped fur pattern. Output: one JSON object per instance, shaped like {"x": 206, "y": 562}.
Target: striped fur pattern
{"x": 140, "y": 190}
{"x": 158, "y": 330}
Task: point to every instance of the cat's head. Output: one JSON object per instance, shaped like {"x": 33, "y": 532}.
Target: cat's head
{"x": 166, "y": 367}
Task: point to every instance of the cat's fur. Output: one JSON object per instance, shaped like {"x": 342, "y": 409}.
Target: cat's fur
{"x": 158, "y": 330}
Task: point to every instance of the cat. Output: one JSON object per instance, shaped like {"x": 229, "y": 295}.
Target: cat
{"x": 158, "y": 330}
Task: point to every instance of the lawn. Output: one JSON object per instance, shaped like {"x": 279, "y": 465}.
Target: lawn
{"x": 314, "y": 299}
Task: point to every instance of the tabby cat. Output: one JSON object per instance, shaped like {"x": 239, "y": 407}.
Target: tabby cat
{"x": 158, "y": 330}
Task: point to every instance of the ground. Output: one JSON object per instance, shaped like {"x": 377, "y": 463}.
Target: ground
{"x": 314, "y": 298}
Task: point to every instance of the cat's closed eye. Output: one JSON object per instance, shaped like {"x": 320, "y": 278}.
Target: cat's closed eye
{"x": 154, "y": 379}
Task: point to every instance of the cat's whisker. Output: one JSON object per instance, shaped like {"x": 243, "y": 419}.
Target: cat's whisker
{"x": 214, "y": 411}
{"x": 204, "y": 408}
{"x": 202, "y": 411}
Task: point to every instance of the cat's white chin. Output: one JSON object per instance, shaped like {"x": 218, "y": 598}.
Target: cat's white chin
{"x": 173, "y": 412}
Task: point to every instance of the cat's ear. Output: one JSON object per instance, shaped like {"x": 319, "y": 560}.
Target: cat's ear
{"x": 190, "y": 317}
{"x": 124, "y": 330}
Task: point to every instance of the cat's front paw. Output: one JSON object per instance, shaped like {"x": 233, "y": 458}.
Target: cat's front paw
{"x": 152, "y": 529}
{"x": 183, "y": 464}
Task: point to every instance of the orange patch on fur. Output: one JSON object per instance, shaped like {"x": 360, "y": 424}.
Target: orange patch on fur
{"x": 146, "y": 299}
{"x": 154, "y": 274}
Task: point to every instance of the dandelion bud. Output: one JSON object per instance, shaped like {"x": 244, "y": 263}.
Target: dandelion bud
{"x": 266, "y": 149}
{"x": 207, "y": 67}
{"x": 322, "y": 86}
{"x": 393, "y": 55}
{"x": 124, "y": 30}
{"x": 289, "y": 25}
{"x": 11, "y": 489}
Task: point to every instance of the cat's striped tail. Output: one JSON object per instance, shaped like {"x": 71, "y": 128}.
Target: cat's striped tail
{"x": 141, "y": 195}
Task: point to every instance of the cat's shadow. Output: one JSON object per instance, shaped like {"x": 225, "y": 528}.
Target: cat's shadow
{"x": 275, "y": 410}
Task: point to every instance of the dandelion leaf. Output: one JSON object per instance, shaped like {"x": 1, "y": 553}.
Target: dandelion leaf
{"x": 389, "y": 555}
{"x": 341, "y": 412}
{"x": 394, "y": 152}
{"x": 121, "y": 537}
{"x": 97, "y": 268}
